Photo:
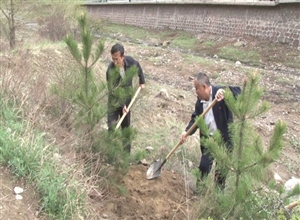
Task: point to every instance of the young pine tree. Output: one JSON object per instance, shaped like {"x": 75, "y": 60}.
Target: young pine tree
{"x": 88, "y": 96}
{"x": 90, "y": 100}
{"x": 245, "y": 166}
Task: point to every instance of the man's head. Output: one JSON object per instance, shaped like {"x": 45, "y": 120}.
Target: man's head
{"x": 202, "y": 86}
{"x": 117, "y": 55}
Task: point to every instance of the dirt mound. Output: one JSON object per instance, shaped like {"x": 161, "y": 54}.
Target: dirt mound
{"x": 164, "y": 197}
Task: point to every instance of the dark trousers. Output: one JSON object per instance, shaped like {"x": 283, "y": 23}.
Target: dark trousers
{"x": 205, "y": 166}
{"x": 112, "y": 121}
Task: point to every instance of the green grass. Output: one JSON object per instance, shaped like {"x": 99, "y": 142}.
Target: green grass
{"x": 209, "y": 43}
{"x": 294, "y": 141}
{"x": 177, "y": 38}
{"x": 234, "y": 54}
{"x": 188, "y": 58}
{"x": 185, "y": 41}
{"x": 127, "y": 30}
{"x": 28, "y": 156}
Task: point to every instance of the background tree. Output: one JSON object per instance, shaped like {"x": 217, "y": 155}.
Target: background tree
{"x": 9, "y": 9}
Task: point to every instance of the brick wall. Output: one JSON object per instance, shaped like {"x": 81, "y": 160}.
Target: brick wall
{"x": 280, "y": 23}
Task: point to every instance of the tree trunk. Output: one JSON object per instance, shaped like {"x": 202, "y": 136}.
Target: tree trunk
{"x": 12, "y": 27}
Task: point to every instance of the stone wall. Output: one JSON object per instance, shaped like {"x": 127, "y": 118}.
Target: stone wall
{"x": 280, "y": 23}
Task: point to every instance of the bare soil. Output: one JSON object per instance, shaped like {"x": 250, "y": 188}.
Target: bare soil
{"x": 159, "y": 198}
{"x": 167, "y": 196}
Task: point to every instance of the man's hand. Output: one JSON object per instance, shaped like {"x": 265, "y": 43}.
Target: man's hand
{"x": 183, "y": 137}
{"x": 125, "y": 110}
{"x": 142, "y": 86}
{"x": 220, "y": 95}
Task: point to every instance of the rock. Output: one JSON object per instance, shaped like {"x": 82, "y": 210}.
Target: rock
{"x": 158, "y": 216}
{"x": 153, "y": 42}
{"x": 163, "y": 93}
{"x": 144, "y": 162}
{"x": 149, "y": 148}
{"x": 166, "y": 214}
{"x": 19, "y": 197}
{"x": 277, "y": 178}
{"x": 291, "y": 184}
{"x": 56, "y": 156}
{"x": 181, "y": 96}
{"x": 238, "y": 63}
{"x": 104, "y": 126}
{"x": 18, "y": 190}
{"x": 239, "y": 44}
{"x": 165, "y": 43}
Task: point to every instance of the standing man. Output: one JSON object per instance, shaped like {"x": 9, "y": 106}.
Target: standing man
{"x": 217, "y": 118}
{"x": 119, "y": 76}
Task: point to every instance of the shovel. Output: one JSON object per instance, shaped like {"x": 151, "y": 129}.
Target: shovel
{"x": 130, "y": 104}
{"x": 155, "y": 169}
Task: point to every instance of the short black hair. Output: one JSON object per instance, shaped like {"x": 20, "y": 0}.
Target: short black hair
{"x": 202, "y": 78}
{"x": 117, "y": 48}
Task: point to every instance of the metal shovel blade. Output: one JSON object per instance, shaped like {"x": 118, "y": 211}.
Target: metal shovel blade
{"x": 155, "y": 169}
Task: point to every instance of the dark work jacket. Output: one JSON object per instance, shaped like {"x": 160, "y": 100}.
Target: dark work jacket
{"x": 221, "y": 113}
{"x": 128, "y": 62}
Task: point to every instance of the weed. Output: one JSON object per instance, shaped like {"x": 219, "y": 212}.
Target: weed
{"x": 185, "y": 41}
{"x": 208, "y": 43}
{"x": 294, "y": 141}
{"x": 198, "y": 60}
{"x": 138, "y": 155}
{"x": 247, "y": 56}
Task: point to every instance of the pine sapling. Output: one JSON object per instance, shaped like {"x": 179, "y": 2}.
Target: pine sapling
{"x": 246, "y": 164}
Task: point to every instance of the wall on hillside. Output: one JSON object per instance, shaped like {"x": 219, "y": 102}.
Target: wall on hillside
{"x": 280, "y": 23}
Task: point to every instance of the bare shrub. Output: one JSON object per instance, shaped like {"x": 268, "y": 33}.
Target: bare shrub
{"x": 59, "y": 21}
{"x": 12, "y": 79}
{"x": 54, "y": 27}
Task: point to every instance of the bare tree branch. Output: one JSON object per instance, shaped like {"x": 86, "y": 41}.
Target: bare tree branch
{"x": 6, "y": 15}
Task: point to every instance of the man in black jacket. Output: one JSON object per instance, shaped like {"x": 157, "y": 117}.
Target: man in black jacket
{"x": 217, "y": 118}
{"x": 119, "y": 76}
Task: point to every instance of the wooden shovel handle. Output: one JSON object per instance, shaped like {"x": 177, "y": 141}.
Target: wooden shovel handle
{"x": 292, "y": 205}
{"x": 192, "y": 127}
{"x": 129, "y": 106}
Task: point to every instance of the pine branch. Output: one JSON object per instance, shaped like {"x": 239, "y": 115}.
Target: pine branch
{"x": 73, "y": 48}
{"x": 247, "y": 167}
{"x": 98, "y": 52}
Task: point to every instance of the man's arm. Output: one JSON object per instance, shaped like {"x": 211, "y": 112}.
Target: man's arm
{"x": 108, "y": 77}
{"x": 141, "y": 75}
{"x": 198, "y": 110}
{"x": 235, "y": 90}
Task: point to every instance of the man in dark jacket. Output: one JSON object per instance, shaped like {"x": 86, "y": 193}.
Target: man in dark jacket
{"x": 217, "y": 118}
{"x": 119, "y": 75}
